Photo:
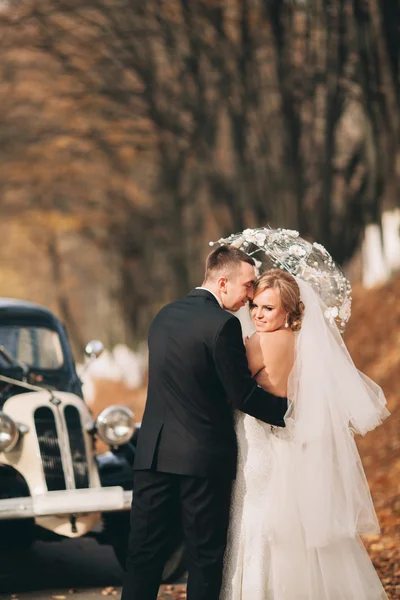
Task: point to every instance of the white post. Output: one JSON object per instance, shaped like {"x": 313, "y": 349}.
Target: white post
{"x": 381, "y": 250}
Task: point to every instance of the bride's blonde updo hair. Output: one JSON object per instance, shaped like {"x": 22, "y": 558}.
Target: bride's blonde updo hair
{"x": 289, "y": 293}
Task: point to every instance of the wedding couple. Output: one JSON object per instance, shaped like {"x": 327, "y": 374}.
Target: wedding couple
{"x": 270, "y": 492}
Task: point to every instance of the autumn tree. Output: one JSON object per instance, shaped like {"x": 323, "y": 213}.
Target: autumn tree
{"x": 168, "y": 123}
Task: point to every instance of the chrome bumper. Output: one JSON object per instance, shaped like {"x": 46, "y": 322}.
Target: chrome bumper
{"x": 66, "y": 502}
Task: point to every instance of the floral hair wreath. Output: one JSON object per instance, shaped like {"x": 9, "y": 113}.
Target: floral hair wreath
{"x": 285, "y": 249}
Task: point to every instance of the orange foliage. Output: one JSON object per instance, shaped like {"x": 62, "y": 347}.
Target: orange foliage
{"x": 373, "y": 338}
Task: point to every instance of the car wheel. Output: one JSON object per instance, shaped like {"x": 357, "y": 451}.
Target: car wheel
{"x": 11, "y": 561}
{"x": 16, "y": 541}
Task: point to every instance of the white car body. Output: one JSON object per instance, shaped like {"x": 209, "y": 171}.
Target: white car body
{"x": 53, "y": 510}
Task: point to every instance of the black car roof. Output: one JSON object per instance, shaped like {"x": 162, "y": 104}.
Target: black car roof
{"x": 14, "y": 306}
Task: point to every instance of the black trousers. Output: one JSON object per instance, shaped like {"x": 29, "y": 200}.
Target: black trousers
{"x": 202, "y": 505}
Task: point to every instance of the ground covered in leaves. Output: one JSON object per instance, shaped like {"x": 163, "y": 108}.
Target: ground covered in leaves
{"x": 373, "y": 338}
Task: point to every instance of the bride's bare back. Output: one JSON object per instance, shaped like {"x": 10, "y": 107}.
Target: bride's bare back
{"x": 271, "y": 356}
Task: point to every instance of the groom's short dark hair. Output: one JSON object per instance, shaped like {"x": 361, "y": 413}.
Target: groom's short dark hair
{"x": 223, "y": 258}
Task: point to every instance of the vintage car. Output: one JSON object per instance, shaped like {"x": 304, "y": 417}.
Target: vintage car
{"x": 53, "y": 484}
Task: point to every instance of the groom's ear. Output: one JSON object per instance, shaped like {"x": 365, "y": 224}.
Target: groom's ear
{"x": 222, "y": 281}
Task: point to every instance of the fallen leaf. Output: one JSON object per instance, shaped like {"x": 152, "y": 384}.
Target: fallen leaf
{"x": 376, "y": 547}
{"x": 108, "y": 591}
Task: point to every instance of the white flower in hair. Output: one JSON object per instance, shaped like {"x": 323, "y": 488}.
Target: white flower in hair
{"x": 345, "y": 310}
{"x": 249, "y": 235}
{"x": 273, "y": 237}
{"x": 331, "y": 314}
{"x": 260, "y": 239}
{"x": 321, "y": 248}
{"x": 324, "y": 276}
{"x": 297, "y": 250}
{"x": 291, "y": 232}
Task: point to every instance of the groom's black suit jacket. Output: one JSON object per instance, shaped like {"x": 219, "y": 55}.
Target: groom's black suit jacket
{"x": 198, "y": 373}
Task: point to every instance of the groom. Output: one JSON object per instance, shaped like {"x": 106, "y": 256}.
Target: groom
{"x": 186, "y": 453}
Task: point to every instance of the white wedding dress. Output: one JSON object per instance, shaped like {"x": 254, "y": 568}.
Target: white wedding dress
{"x": 300, "y": 499}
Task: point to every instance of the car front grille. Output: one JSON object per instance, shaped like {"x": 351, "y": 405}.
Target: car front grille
{"x": 77, "y": 446}
{"x": 46, "y": 431}
{"x": 53, "y": 453}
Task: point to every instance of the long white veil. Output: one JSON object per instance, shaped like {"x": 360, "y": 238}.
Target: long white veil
{"x": 332, "y": 399}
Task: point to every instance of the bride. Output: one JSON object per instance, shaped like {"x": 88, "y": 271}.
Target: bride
{"x": 301, "y": 499}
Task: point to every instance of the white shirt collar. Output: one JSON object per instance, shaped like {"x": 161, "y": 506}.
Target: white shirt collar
{"x": 215, "y": 296}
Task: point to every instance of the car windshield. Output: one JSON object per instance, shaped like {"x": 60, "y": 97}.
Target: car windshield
{"x": 38, "y": 347}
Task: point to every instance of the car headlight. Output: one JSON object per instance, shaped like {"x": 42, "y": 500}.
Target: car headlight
{"x": 9, "y": 433}
{"x": 115, "y": 425}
